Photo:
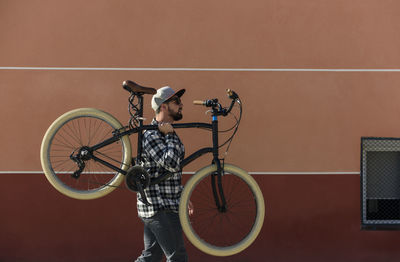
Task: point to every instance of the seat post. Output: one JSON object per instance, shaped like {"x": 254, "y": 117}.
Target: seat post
{"x": 140, "y": 133}
{"x": 140, "y": 98}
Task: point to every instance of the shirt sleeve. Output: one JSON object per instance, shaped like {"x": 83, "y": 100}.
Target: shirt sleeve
{"x": 164, "y": 151}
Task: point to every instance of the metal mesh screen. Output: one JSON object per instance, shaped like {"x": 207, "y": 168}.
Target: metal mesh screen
{"x": 380, "y": 181}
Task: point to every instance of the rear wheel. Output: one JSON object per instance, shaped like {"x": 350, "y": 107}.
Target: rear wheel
{"x": 222, "y": 232}
{"x": 70, "y": 135}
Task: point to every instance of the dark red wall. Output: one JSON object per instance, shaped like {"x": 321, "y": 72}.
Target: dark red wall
{"x": 308, "y": 218}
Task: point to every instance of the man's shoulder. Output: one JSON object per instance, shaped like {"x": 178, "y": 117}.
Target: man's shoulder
{"x": 152, "y": 134}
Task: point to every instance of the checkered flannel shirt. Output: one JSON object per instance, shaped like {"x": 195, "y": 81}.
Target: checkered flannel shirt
{"x": 161, "y": 154}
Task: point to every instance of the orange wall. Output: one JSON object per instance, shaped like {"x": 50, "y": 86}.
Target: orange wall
{"x": 294, "y": 121}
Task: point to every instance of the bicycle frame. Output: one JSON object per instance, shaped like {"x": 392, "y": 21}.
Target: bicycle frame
{"x": 219, "y": 196}
{"x": 117, "y": 135}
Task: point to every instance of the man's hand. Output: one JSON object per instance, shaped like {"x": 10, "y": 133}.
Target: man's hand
{"x": 165, "y": 128}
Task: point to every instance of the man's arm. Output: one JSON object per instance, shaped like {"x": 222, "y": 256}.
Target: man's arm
{"x": 165, "y": 153}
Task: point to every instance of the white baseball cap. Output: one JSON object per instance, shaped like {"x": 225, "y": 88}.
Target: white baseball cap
{"x": 163, "y": 94}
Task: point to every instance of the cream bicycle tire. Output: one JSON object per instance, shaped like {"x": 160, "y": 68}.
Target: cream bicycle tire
{"x": 185, "y": 219}
{"x": 47, "y": 142}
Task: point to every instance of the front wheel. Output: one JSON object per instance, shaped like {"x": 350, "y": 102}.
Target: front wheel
{"x": 68, "y": 136}
{"x": 216, "y": 231}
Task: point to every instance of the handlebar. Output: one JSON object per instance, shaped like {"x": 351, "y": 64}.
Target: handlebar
{"x": 198, "y": 102}
{"x": 231, "y": 94}
{"x": 217, "y": 107}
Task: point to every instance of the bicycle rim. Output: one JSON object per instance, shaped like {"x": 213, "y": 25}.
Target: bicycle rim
{"x": 69, "y": 133}
{"x": 222, "y": 233}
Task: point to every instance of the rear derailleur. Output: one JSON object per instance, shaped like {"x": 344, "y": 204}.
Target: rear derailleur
{"x": 84, "y": 154}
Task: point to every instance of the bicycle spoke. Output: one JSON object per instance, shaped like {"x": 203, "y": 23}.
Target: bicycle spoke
{"x": 223, "y": 228}
{"x": 108, "y": 157}
{"x": 74, "y": 134}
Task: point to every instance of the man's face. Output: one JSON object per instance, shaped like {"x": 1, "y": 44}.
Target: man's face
{"x": 175, "y": 107}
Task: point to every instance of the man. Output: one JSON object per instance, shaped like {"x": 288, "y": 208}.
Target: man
{"x": 163, "y": 153}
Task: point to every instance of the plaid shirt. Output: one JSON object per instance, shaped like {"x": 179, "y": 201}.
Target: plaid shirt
{"x": 161, "y": 154}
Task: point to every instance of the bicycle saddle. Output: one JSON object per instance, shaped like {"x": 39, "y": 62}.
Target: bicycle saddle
{"x": 131, "y": 86}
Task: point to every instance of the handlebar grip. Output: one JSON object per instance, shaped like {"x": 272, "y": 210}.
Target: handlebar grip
{"x": 199, "y": 102}
{"x": 231, "y": 94}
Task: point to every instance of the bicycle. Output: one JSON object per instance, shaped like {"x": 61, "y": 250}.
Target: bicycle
{"x": 81, "y": 147}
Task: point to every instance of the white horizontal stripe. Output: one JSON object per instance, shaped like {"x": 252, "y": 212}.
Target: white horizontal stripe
{"x": 304, "y": 173}
{"x": 191, "y": 173}
{"x": 200, "y": 69}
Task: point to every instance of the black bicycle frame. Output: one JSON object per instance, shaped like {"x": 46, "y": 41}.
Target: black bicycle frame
{"x": 118, "y": 134}
{"x": 219, "y": 196}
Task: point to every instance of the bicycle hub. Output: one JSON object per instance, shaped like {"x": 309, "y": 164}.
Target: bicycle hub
{"x": 84, "y": 153}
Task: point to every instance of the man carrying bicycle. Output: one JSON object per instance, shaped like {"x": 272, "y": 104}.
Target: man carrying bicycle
{"x": 163, "y": 153}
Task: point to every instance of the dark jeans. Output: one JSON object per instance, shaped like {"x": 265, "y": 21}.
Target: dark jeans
{"x": 163, "y": 235}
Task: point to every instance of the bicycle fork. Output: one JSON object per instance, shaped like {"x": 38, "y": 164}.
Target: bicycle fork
{"x": 217, "y": 188}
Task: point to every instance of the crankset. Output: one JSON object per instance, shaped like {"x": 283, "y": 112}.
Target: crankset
{"x": 136, "y": 180}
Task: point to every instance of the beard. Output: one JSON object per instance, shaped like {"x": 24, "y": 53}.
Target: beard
{"x": 175, "y": 115}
